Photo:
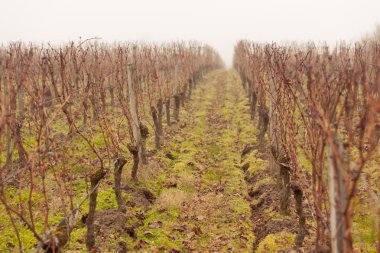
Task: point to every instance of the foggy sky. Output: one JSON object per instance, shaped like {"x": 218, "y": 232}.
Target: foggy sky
{"x": 218, "y": 23}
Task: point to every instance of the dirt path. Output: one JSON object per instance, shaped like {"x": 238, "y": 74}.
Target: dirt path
{"x": 192, "y": 197}
{"x": 198, "y": 194}
{"x": 202, "y": 206}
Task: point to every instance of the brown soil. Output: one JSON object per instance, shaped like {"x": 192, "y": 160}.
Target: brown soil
{"x": 264, "y": 200}
{"x": 140, "y": 197}
{"x": 109, "y": 221}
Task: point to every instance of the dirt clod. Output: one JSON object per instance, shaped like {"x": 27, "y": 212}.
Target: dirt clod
{"x": 108, "y": 222}
{"x": 247, "y": 149}
{"x": 122, "y": 247}
{"x": 170, "y": 156}
{"x": 155, "y": 224}
{"x": 142, "y": 198}
{"x": 245, "y": 167}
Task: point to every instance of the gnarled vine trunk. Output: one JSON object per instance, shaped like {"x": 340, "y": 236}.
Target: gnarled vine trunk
{"x": 298, "y": 196}
{"x": 118, "y": 169}
{"x": 156, "y": 127}
{"x": 144, "y": 132}
{"x": 176, "y": 107}
{"x": 167, "y": 110}
{"x": 253, "y": 102}
{"x": 135, "y": 153}
{"x": 95, "y": 180}
{"x": 159, "y": 117}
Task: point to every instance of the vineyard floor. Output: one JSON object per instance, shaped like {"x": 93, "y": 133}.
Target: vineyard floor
{"x": 202, "y": 205}
{"x": 193, "y": 196}
{"x": 198, "y": 193}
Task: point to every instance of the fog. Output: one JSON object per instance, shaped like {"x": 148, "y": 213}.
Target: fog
{"x": 218, "y": 23}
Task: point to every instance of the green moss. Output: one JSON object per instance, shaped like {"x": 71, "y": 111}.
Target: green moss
{"x": 304, "y": 161}
{"x": 275, "y": 242}
{"x": 155, "y": 215}
{"x": 189, "y": 145}
{"x": 255, "y": 201}
{"x": 156, "y": 184}
{"x": 8, "y": 239}
{"x": 29, "y": 142}
{"x": 106, "y": 199}
{"x": 240, "y": 206}
{"x": 54, "y": 220}
{"x": 131, "y": 221}
{"x": 60, "y": 126}
{"x": 77, "y": 237}
{"x": 364, "y": 232}
{"x": 79, "y": 186}
{"x": 78, "y": 168}
{"x": 267, "y": 181}
{"x": 256, "y": 164}
{"x": 214, "y": 149}
{"x": 160, "y": 236}
{"x": 274, "y": 215}
{"x": 213, "y": 175}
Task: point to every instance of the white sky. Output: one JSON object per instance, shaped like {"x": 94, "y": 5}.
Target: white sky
{"x": 218, "y": 23}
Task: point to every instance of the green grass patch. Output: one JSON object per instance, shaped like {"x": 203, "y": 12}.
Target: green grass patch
{"x": 273, "y": 243}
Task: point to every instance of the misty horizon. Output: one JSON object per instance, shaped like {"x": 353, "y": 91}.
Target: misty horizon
{"x": 219, "y": 25}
